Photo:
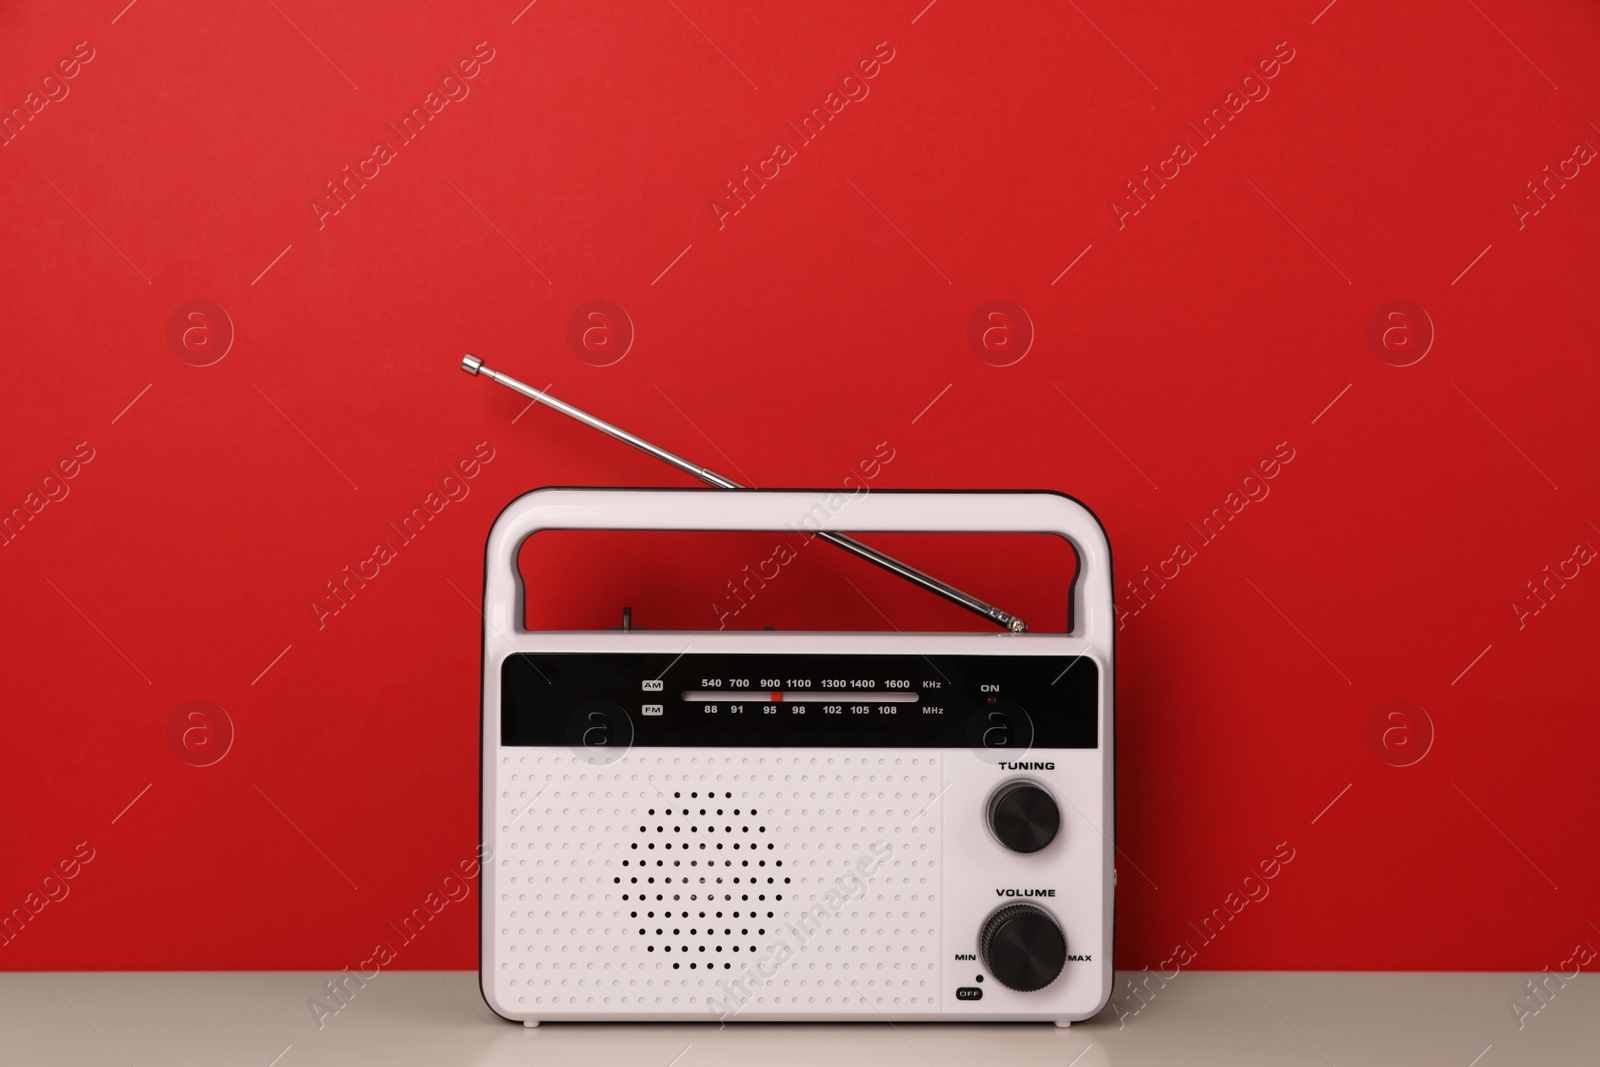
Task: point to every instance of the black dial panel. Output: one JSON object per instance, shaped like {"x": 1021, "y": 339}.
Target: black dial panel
{"x": 995, "y": 703}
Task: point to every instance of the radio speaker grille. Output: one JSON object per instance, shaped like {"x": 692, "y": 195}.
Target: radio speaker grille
{"x": 660, "y": 881}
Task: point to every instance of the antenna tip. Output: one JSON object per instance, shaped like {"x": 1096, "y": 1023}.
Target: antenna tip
{"x": 471, "y": 364}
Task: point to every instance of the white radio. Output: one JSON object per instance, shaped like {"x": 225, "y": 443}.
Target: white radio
{"x": 797, "y": 826}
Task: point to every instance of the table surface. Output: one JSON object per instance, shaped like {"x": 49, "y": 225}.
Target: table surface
{"x": 438, "y": 1017}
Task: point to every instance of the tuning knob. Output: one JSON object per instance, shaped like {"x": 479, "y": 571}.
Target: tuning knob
{"x": 1023, "y": 816}
{"x": 1022, "y": 947}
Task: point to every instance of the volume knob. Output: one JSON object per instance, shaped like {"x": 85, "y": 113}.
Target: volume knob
{"x": 1023, "y": 816}
{"x": 1022, "y": 947}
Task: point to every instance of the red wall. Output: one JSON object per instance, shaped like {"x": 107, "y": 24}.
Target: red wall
{"x": 1227, "y": 323}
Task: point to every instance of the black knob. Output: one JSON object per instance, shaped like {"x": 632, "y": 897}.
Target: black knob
{"x": 1023, "y": 816}
{"x": 1023, "y": 947}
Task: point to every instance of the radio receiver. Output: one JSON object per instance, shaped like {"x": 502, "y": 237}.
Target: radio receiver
{"x": 796, "y": 826}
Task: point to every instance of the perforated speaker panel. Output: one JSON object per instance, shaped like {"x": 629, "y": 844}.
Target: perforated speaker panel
{"x": 731, "y": 881}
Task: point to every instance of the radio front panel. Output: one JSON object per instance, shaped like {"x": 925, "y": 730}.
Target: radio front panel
{"x": 750, "y": 835}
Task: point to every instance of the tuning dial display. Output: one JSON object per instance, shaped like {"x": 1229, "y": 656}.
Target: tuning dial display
{"x": 1022, "y": 947}
{"x": 1023, "y": 817}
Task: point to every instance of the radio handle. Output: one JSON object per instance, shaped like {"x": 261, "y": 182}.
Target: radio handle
{"x": 1090, "y": 611}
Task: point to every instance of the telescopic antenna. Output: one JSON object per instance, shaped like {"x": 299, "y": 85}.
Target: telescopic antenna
{"x": 473, "y": 365}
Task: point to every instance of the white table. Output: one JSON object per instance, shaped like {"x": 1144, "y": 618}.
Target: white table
{"x": 437, "y": 1017}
